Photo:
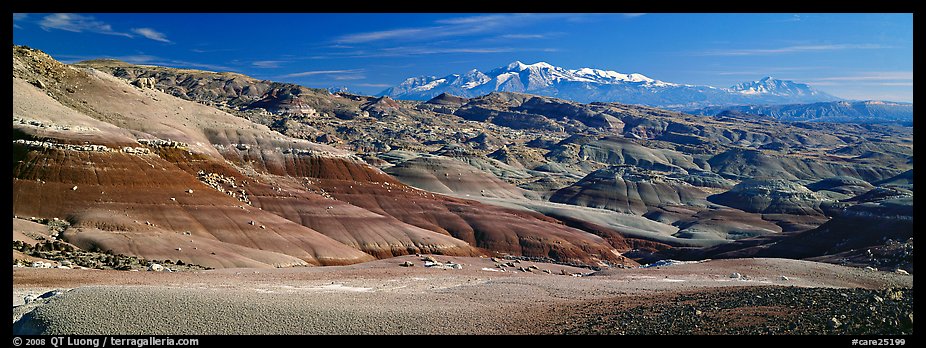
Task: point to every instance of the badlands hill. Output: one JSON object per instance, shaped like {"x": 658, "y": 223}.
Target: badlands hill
{"x": 137, "y": 171}
{"x": 223, "y": 170}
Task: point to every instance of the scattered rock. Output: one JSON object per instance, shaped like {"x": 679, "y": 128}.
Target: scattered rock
{"x": 894, "y": 295}
{"x": 155, "y": 267}
{"x": 736, "y": 275}
{"x": 40, "y": 264}
{"x": 29, "y": 298}
{"x": 52, "y": 293}
{"x": 407, "y": 264}
{"x": 784, "y": 278}
{"x": 189, "y": 191}
{"x": 74, "y": 188}
{"x": 834, "y": 323}
{"x": 900, "y": 271}
{"x": 429, "y": 258}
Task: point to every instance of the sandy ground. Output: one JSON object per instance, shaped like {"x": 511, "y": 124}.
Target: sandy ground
{"x": 381, "y": 297}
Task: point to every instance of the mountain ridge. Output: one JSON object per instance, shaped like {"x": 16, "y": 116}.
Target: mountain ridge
{"x": 863, "y": 111}
{"x": 586, "y": 85}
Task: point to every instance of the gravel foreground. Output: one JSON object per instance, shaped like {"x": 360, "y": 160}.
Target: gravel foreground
{"x": 749, "y": 311}
{"x": 771, "y": 296}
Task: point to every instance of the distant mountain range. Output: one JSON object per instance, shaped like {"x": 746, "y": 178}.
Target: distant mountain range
{"x": 869, "y": 111}
{"x": 587, "y": 85}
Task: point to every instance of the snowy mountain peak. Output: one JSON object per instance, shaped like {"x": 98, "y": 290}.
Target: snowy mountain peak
{"x": 516, "y": 66}
{"x": 590, "y": 84}
{"x": 519, "y": 66}
{"x": 771, "y": 86}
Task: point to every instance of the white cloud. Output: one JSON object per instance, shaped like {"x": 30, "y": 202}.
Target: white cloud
{"x": 267, "y": 64}
{"x": 403, "y": 51}
{"x": 451, "y": 27}
{"x": 151, "y": 34}
{"x": 475, "y": 19}
{"x": 138, "y": 59}
{"x": 381, "y": 35}
{"x": 78, "y": 23}
{"x": 334, "y": 73}
{"x": 19, "y": 17}
{"x": 788, "y": 49}
{"x": 522, "y": 36}
{"x": 873, "y": 76}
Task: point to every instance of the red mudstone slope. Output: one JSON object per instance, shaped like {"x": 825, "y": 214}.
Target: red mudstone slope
{"x": 160, "y": 177}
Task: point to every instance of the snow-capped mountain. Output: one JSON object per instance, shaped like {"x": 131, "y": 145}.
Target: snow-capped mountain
{"x": 590, "y": 85}
{"x": 771, "y": 86}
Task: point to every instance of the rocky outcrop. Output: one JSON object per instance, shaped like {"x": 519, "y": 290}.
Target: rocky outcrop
{"x": 630, "y": 190}
{"x": 741, "y": 164}
{"x": 145, "y": 82}
{"x": 770, "y": 197}
{"x": 841, "y": 184}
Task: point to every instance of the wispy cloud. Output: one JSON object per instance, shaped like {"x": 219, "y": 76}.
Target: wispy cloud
{"x": 151, "y": 34}
{"x": 873, "y": 76}
{"x": 633, "y": 15}
{"x": 480, "y": 20}
{"x": 386, "y": 34}
{"x": 793, "y": 18}
{"x": 78, "y": 23}
{"x": 522, "y": 36}
{"x": 788, "y": 49}
{"x": 268, "y": 64}
{"x": 408, "y": 51}
{"x": 867, "y": 80}
{"x": 762, "y": 71}
{"x": 350, "y": 74}
{"x": 146, "y": 59}
{"x": 450, "y": 27}
{"x": 138, "y": 59}
{"x": 189, "y": 64}
{"x": 19, "y": 17}
{"x": 212, "y": 50}
{"x": 404, "y": 51}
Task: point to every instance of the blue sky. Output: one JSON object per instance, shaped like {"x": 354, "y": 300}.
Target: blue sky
{"x": 855, "y": 56}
